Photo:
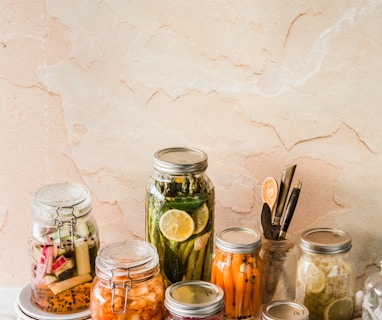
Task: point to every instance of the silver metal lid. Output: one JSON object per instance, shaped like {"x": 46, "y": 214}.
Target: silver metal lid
{"x": 238, "y": 240}
{"x": 325, "y": 241}
{"x": 180, "y": 160}
{"x": 194, "y": 298}
{"x": 284, "y": 310}
{"x": 65, "y": 198}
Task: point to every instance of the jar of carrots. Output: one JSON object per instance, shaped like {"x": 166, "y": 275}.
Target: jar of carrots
{"x": 237, "y": 269}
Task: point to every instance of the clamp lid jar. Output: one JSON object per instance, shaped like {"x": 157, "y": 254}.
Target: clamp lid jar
{"x": 128, "y": 282}
{"x": 63, "y": 246}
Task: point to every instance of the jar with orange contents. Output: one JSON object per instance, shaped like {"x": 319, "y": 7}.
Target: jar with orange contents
{"x": 128, "y": 284}
{"x": 237, "y": 269}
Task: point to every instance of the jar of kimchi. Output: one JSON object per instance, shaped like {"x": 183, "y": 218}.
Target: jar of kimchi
{"x": 63, "y": 246}
{"x": 128, "y": 283}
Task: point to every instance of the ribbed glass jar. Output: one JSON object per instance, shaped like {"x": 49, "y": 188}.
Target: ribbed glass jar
{"x": 63, "y": 247}
{"x": 180, "y": 201}
{"x": 193, "y": 300}
{"x": 128, "y": 284}
{"x": 325, "y": 274}
{"x": 237, "y": 269}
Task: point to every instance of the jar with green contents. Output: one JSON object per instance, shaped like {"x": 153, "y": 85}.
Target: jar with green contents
{"x": 180, "y": 202}
{"x": 326, "y": 275}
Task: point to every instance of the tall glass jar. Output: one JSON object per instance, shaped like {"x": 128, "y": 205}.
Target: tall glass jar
{"x": 180, "y": 201}
{"x": 325, "y": 274}
{"x": 280, "y": 267}
{"x": 237, "y": 269}
{"x": 63, "y": 246}
{"x": 372, "y": 296}
{"x": 128, "y": 284}
{"x": 194, "y": 300}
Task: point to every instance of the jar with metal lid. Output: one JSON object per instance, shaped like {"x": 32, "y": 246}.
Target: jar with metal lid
{"x": 237, "y": 269}
{"x": 180, "y": 200}
{"x": 280, "y": 267}
{"x": 372, "y": 296}
{"x": 128, "y": 284}
{"x": 63, "y": 246}
{"x": 284, "y": 310}
{"x": 194, "y": 299}
{"x": 326, "y": 275}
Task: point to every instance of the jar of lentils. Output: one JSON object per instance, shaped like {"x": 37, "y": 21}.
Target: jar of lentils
{"x": 128, "y": 284}
{"x": 180, "y": 202}
{"x": 237, "y": 269}
{"x": 63, "y": 247}
{"x": 326, "y": 275}
{"x": 193, "y": 300}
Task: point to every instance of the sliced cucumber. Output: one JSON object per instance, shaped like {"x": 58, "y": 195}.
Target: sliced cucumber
{"x": 81, "y": 250}
{"x": 58, "y": 287}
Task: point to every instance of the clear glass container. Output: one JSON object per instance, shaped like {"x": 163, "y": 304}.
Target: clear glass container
{"x": 280, "y": 268}
{"x": 180, "y": 201}
{"x": 372, "y": 296}
{"x": 325, "y": 274}
{"x": 128, "y": 284}
{"x": 237, "y": 269}
{"x": 194, "y": 299}
{"x": 284, "y": 310}
{"x": 63, "y": 247}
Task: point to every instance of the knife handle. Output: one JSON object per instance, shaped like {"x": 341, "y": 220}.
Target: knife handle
{"x": 290, "y": 208}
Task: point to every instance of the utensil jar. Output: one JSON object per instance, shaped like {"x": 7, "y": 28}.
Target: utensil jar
{"x": 237, "y": 269}
{"x": 128, "y": 284}
{"x": 180, "y": 200}
{"x": 325, "y": 274}
{"x": 63, "y": 246}
{"x": 280, "y": 265}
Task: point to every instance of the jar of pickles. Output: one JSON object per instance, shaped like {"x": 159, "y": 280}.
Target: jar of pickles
{"x": 128, "y": 284}
{"x": 193, "y": 300}
{"x": 180, "y": 203}
{"x": 63, "y": 246}
{"x": 326, "y": 275}
{"x": 237, "y": 269}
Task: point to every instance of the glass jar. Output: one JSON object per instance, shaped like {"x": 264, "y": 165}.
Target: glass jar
{"x": 280, "y": 267}
{"x": 194, "y": 299}
{"x": 63, "y": 247}
{"x": 325, "y": 274}
{"x": 128, "y": 284}
{"x": 237, "y": 269}
{"x": 284, "y": 310}
{"x": 372, "y": 296}
{"x": 180, "y": 202}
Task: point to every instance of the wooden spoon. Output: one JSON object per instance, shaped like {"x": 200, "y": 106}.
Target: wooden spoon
{"x": 270, "y": 192}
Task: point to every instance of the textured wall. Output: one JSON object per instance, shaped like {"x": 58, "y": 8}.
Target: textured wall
{"x": 91, "y": 89}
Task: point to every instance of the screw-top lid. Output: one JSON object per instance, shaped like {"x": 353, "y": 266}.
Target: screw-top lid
{"x": 194, "y": 298}
{"x": 180, "y": 160}
{"x": 67, "y": 199}
{"x": 325, "y": 241}
{"x": 238, "y": 240}
{"x": 284, "y": 310}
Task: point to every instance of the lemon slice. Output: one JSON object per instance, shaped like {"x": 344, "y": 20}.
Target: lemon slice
{"x": 340, "y": 309}
{"x": 200, "y": 217}
{"x": 176, "y": 225}
{"x": 315, "y": 279}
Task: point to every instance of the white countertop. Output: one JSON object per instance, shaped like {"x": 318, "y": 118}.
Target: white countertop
{"x": 8, "y": 297}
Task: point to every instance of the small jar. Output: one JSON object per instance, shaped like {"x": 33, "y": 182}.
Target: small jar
{"x": 325, "y": 274}
{"x": 284, "y": 310}
{"x": 128, "y": 284}
{"x": 63, "y": 247}
{"x": 192, "y": 300}
{"x": 280, "y": 267}
{"x": 237, "y": 269}
{"x": 180, "y": 202}
{"x": 372, "y": 296}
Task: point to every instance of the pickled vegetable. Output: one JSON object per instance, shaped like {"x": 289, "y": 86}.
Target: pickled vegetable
{"x": 180, "y": 213}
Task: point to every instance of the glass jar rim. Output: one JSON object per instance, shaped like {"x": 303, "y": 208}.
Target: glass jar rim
{"x": 179, "y": 160}
{"x": 238, "y": 240}
{"x": 137, "y": 260}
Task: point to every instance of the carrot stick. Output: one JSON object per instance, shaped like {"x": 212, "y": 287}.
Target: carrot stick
{"x": 215, "y": 268}
{"x": 256, "y": 285}
{"x": 237, "y": 260}
{"x": 247, "y": 290}
{"x": 229, "y": 292}
{"x": 239, "y": 291}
